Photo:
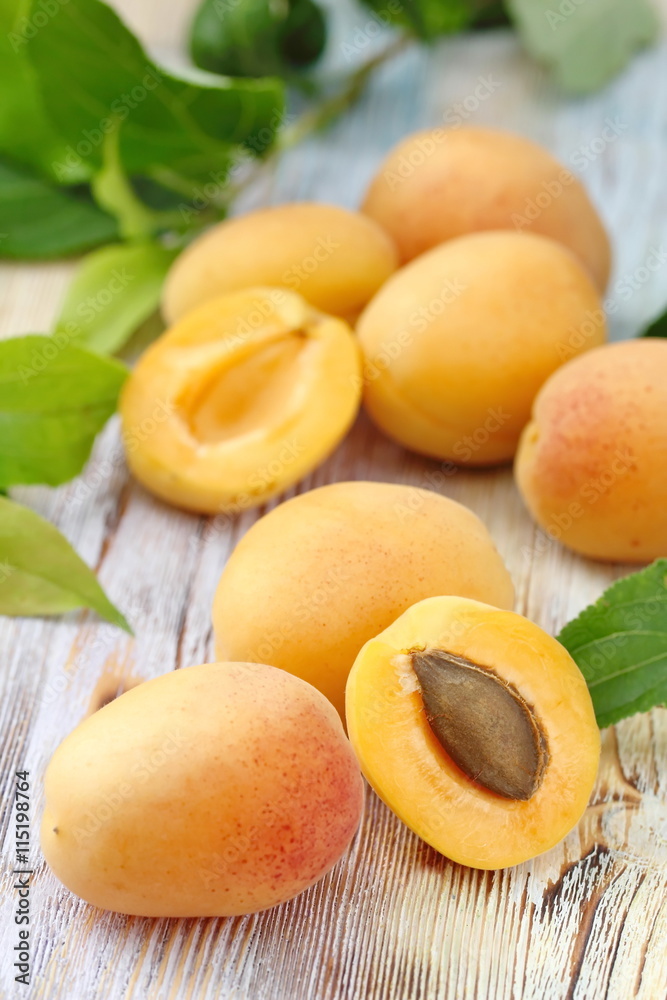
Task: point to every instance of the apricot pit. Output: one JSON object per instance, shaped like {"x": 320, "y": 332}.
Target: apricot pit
{"x": 483, "y": 723}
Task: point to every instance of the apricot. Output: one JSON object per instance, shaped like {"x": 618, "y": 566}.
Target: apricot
{"x": 458, "y": 342}
{"x": 476, "y": 728}
{"x": 318, "y": 576}
{"x": 239, "y": 400}
{"x": 335, "y": 258}
{"x": 215, "y": 790}
{"x": 592, "y": 464}
{"x": 445, "y": 183}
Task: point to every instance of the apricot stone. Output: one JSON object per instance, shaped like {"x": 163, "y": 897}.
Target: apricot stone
{"x": 215, "y": 790}
{"x": 476, "y": 728}
{"x": 458, "y": 342}
{"x": 318, "y": 576}
{"x": 334, "y": 258}
{"x": 437, "y": 185}
{"x": 239, "y": 400}
{"x": 592, "y": 464}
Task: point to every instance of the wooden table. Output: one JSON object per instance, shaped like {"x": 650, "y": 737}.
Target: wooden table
{"x": 394, "y": 919}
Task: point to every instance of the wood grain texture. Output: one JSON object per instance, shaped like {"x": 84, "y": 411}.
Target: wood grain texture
{"x": 394, "y": 920}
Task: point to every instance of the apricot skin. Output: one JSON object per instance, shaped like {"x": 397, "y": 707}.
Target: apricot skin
{"x": 315, "y": 578}
{"x": 406, "y": 765}
{"x": 335, "y": 258}
{"x": 592, "y": 464}
{"x": 214, "y": 790}
{"x": 458, "y": 343}
{"x": 435, "y": 186}
{"x": 239, "y": 400}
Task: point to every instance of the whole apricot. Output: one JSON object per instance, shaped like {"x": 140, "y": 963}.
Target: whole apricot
{"x": 445, "y": 183}
{"x": 215, "y": 790}
{"x": 458, "y": 342}
{"x": 476, "y": 728}
{"x": 592, "y": 464}
{"x": 239, "y": 400}
{"x": 334, "y": 258}
{"x": 315, "y": 578}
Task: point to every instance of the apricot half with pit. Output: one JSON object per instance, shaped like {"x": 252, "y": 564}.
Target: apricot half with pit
{"x": 476, "y": 728}
{"x": 318, "y": 576}
{"x": 239, "y": 400}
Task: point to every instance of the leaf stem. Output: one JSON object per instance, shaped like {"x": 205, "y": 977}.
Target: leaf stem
{"x": 113, "y": 192}
{"x": 326, "y": 111}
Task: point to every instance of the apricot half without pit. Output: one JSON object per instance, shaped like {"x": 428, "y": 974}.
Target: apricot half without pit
{"x": 239, "y": 400}
{"x": 476, "y": 728}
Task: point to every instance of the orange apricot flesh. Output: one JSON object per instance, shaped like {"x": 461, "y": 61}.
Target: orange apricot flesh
{"x": 407, "y": 765}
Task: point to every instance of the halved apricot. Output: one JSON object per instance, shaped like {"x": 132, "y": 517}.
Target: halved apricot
{"x": 476, "y": 728}
{"x": 239, "y": 400}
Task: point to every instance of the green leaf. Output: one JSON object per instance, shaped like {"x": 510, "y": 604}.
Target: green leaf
{"x": 491, "y": 14}
{"x": 41, "y": 574}
{"x": 587, "y": 44}
{"x": 114, "y": 291}
{"x": 305, "y": 34}
{"x": 26, "y": 134}
{"x": 620, "y": 645}
{"x": 114, "y": 193}
{"x": 255, "y": 37}
{"x": 658, "y": 328}
{"x": 54, "y": 398}
{"x": 428, "y": 18}
{"x": 38, "y": 221}
{"x": 94, "y": 74}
